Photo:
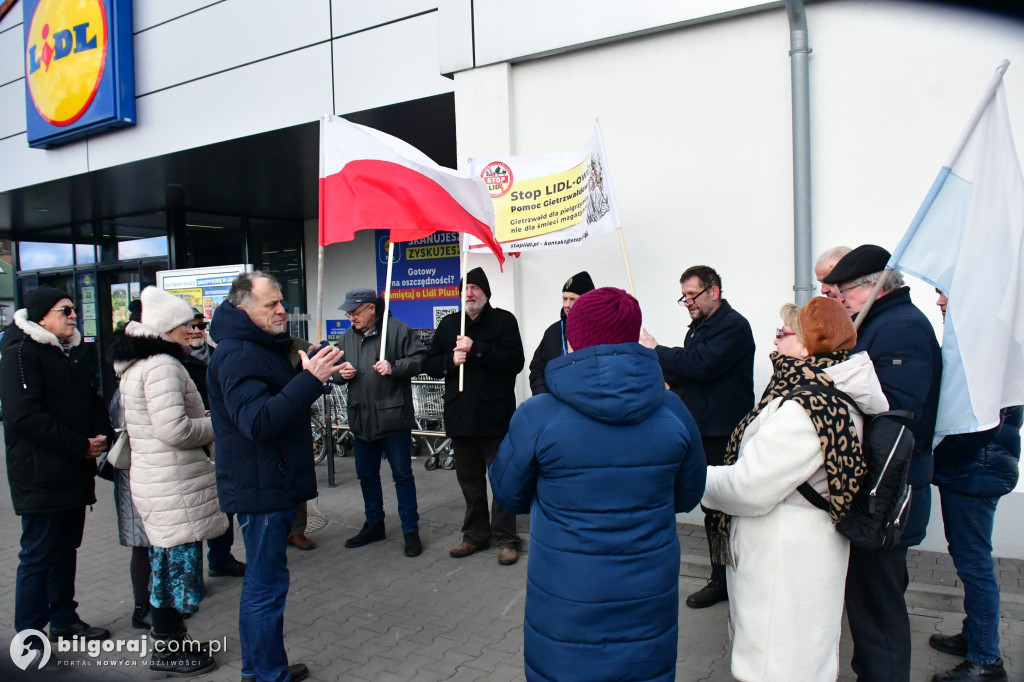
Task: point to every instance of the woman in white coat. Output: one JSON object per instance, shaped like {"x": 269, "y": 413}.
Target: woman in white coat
{"x": 173, "y": 482}
{"x": 786, "y": 563}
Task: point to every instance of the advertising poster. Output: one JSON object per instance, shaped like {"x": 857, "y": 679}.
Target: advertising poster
{"x": 335, "y": 328}
{"x": 550, "y": 201}
{"x": 202, "y": 288}
{"x": 119, "y": 303}
{"x": 424, "y": 278}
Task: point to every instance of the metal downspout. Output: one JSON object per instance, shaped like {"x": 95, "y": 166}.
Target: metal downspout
{"x": 799, "y": 53}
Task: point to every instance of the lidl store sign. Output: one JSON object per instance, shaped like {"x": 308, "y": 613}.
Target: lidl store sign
{"x": 79, "y": 71}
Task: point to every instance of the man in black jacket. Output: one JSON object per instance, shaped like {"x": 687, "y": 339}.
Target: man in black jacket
{"x": 380, "y": 412}
{"x": 714, "y": 375}
{"x": 477, "y": 418}
{"x": 259, "y": 405}
{"x": 908, "y": 362}
{"x": 55, "y": 427}
{"x": 553, "y": 344}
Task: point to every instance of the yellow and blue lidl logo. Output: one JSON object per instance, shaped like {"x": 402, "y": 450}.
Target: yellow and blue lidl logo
{"x": 65, "y": 52}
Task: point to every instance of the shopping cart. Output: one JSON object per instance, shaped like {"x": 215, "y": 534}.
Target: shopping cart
{"x": 428, "y": 405}
{"x": 337, "y": 402}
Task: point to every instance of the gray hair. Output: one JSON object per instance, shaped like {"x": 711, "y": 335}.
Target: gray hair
{"x": 893, "y": 280}
{"x": 790, "y": 315}
{"x": 240, "y": 294}
{"x": 832, "y": 255}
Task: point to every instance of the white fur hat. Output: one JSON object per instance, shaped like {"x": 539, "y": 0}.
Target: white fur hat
{"x": 164, "y": 311}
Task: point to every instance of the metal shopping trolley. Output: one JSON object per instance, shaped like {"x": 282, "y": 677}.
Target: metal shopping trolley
{"x": 334, "y": 423}
{"x": 428, "y": 405}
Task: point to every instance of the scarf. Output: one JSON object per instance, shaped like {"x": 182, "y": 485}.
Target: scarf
{"x": 797, "y": 380}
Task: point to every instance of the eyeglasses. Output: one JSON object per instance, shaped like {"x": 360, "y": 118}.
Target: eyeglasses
{"x": 781, "y": 333}
{"x": 199, "y": 325}
{"x": 842, "y": 292}
{"x": 68, "y": 310}
{"x": 686, "y": 300}
{"x": 356, "y": 312}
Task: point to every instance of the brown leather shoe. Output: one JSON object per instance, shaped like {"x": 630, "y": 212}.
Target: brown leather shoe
{"x": 465, "y": 549}
{"x": 507, "y": 555}
{"x": 300, "y": 541}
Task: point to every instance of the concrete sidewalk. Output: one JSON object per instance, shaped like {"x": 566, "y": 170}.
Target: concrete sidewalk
{"x": 372, "y": 614}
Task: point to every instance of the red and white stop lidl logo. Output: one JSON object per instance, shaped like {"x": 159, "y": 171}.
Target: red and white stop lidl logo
{"x": 65, "y": 53}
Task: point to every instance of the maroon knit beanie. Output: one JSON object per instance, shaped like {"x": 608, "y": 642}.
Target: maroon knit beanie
{"x": 605, "y": 315}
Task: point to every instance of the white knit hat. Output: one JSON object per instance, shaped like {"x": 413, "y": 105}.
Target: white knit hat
{"x": 164, "y": 311}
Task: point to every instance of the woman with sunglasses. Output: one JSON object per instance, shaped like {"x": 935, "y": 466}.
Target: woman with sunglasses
{"x": 173, "y": 483}
{"x": 785, "y": 563}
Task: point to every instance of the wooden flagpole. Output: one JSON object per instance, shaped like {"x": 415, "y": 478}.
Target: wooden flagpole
{"x": 387, "y": 299}
{"x": 625, "y": 258}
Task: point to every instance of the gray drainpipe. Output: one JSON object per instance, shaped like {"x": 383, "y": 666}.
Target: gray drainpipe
{"x": 799, "y": 56}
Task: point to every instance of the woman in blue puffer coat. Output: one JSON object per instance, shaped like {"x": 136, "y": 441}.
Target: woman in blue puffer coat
{"x": 603, "y": 463}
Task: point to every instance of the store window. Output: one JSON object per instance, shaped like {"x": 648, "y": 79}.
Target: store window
{"x": 275, "y": 246}
{"x": 212, "y": 240}
{"x": 43, "y": 255}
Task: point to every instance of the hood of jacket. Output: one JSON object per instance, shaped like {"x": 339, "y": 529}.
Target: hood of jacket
{"x": 137, "y": 342}
{"x": 856, "y": 377}
{"x": 22, "y": 327}
{"x": 231, "y": 323}
{"x": 617, "y": 383}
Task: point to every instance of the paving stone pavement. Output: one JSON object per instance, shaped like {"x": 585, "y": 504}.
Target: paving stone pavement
{"x": 372, "y": 614}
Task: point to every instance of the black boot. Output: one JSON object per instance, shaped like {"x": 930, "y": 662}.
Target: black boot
{"x": 178, "y": 655}
{"x": 969, "y": 671}
{"x": 709, "y": 595}
{"x": 140, "y": 617}
{"x": 371, "y": 532}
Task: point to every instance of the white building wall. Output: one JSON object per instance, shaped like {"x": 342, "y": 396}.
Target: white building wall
{"x": 697, "y": 125}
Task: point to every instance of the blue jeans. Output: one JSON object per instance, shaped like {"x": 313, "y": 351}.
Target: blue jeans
{"x": 264, "y": 588}
{"x": 397, "y": 449}
{"x": 968, "y": 524}
{"x": 45, "y": 584}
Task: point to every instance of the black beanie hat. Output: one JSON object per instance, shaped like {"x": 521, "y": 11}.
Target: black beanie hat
{"x": 40, "y": 301}
{"x": 478, "y": 277}
{"x": 578, "y": 284}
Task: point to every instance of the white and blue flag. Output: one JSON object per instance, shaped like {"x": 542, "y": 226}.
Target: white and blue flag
{"x": 967, "y": 240}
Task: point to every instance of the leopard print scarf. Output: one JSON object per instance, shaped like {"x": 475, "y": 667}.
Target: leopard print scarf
{"x": 795, "y": 379}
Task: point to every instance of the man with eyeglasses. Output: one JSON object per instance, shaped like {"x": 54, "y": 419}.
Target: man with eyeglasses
{"x": 55, "y": 426}
{"x": 380, "y": 412}
{"x": 714, "y": 375}
{"x": 904, "y": 350}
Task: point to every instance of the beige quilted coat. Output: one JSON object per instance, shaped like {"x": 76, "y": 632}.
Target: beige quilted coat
{"x": 174, "y": 484}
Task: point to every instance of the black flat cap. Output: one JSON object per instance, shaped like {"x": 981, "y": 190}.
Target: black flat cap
{"x": 866, "y": 259}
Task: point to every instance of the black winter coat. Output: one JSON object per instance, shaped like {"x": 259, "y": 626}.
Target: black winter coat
{"x": 714, "y": 370}
{"x": 486, "y": 405}
{"x": 982, "y": 464}
{"x": 552, "y": 345}
{"x": 908, "y": 362}
{"x": 52, "y": 407}
{"x": 260, "y": 410}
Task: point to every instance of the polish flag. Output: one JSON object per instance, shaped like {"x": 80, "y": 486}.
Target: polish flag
{"x": 370, "y": 180}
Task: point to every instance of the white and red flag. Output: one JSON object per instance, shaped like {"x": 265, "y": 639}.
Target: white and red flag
{"x": 371, "y": 180}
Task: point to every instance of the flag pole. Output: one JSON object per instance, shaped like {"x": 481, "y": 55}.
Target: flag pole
{"x": 319, "y": 291}
{"x": 625, "y": 258}
{"x": 954, "y": 156}
{"x": 462, "y": 307}
{"x": 990, "y": 91}
{"x": 387, "y": 299}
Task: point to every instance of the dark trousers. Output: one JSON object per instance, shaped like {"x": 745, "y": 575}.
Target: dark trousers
{"x": 396, "y": 449}
{"x": 140, "y": 571}
{"x": 877, "y": 611}
{"x": 968, "y": 524}
{"x": 218, "y": 549}
{"x": 714, "y": 453}
{"x": 473, "y": 455}
{"x": 45, "y": 583}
